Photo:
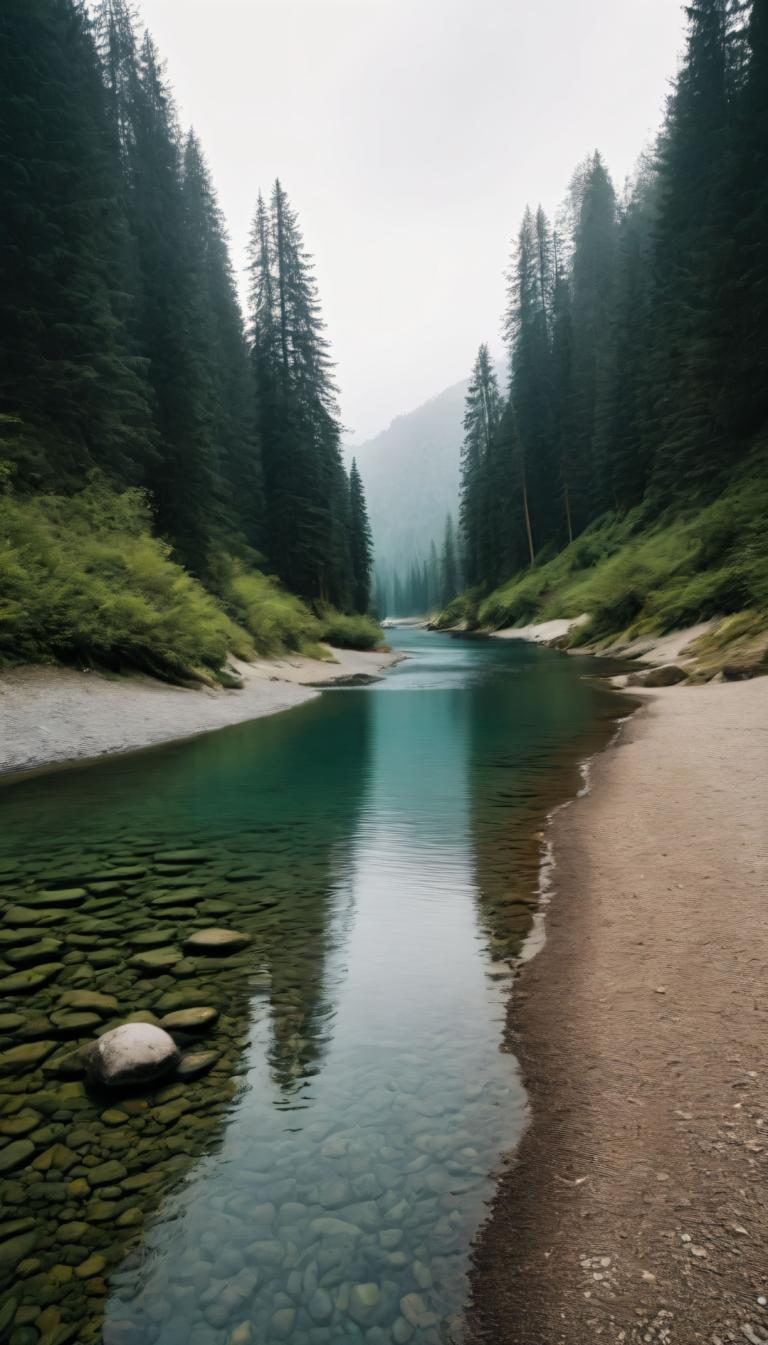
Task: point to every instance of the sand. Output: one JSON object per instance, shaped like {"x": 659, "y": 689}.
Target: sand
{"x": 50, "y": 715}
{"x": 636, "y": 1209}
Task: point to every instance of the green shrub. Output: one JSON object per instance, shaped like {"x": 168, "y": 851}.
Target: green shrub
{"x": 632, "y": 577}
{"x": 82, "y": 578}
{"x": 275, "y": 619}
{"x": 350, "y": 632}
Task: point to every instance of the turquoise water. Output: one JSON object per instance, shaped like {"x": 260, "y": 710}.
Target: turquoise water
{"x": 323, "y": 1180}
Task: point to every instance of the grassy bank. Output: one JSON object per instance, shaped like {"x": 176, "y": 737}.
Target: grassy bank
{"x": 635, "y": 576}
{"x": 83, "y": 579}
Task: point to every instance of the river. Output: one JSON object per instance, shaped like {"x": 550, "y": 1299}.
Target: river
{"x": 321, "y": 1178}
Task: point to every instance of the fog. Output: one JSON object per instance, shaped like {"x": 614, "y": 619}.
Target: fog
{"x": 410, "y": 134}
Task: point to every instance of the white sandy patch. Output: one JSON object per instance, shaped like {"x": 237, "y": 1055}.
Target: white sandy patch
{"x": 662, "y": 649}
{"x": 542, "y": 632}
{"x": 51, "y": 714}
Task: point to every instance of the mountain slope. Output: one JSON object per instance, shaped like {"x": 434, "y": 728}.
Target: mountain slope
{"x": 411, "y": 476}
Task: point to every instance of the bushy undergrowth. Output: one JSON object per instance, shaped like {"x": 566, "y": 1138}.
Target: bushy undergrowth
{"x": 637, "y": 578}
{"x": 349, "y": 632}
{"x": 83, "y": 579}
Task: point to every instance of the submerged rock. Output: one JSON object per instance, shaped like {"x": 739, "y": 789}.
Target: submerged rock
{"x": 195, "y": 1063}
{"x": 91, "y": 1001}
{"x": 190, "y": 1020}
{"x": 217, "y": 941}
{"x": 132, "y": 1053}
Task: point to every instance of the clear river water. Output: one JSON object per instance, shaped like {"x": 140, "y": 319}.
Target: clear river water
{"x": 319, "y": 1169}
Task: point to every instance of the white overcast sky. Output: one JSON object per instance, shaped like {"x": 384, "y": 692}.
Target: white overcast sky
{"x": 409, "y": 135}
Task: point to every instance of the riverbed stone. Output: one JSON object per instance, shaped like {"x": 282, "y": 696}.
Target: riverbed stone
{"x": 217, "y": 942}
{"x": 132, "y": 1053}
{"x": 156, "y": 960}
{"x": 320, "y": 1306}
{"x": 75, "y": 1022}
{"x": 24, "y": 1057}
{"x": 13, "y": 1155}
{"x": 195, "y": 1063}
{"x": 64, "y": 897}
{"x": 90, "y": 1001}
{"x": 24, "y": 982}
{"x": 32, "y": 954}
{"x": 328, "y": 1227}
{"x": 282, "y": 1322}
{"x": 364, "y": 1299}
{"x": 20, "y": 1124}
{"x": 106, "y": 1174}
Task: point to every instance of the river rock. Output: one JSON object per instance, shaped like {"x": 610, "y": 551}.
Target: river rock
{"x": 24, "y": 1057}
{"x": 63, "y": 896}
{"x": 130, "y": 1054}
{"x": 30, "y": 954}
{"x": 364, "y": 1299}
{"x": 666, "y": 676}
{"x": 156, "y": 960}
{"x": 328, "y": 1227}
{"x": 13, "y": 1155}
{"x": 217, "y": 942}
{"x": 90, "y": 1001}
{"x": 195, "y": 1063}
{"x": 190, "y": 1020}
{"x": 23, "y": 982}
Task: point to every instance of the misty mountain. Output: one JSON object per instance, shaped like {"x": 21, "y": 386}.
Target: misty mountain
{"x": 411, "y": 477}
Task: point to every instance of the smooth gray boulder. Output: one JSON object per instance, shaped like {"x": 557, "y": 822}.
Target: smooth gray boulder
{"x": 666, "y": 676}
{"x": 133, "y": 1053}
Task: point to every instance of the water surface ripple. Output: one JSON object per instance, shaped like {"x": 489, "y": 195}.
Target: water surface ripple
{"x": 322, "y": 1179}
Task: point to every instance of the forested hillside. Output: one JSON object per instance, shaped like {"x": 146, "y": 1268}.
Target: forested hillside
{"x": 623, "y": 470}
{"x": 196, "y": 456}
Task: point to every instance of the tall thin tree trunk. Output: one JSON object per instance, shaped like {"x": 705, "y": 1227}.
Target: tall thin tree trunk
{"x": 568, "y": 508}
{"x": 526, "y": 512}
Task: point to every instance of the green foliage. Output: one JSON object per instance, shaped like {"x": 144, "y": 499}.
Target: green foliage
{"x": 83, "y": 579}
{"x": 350, "y": 632}
{"x": 275, "y": 619}
{"x": 685, "y": 569}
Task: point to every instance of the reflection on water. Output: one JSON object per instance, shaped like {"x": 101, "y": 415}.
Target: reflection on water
{"x": 323, "y": 1179}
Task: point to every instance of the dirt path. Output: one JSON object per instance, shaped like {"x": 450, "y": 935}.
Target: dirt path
{"x": 637, "y": 1207}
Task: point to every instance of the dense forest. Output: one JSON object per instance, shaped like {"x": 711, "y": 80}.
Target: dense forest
{"x": 422, "y": 586}
{"x": 137, "y": 404}
{"x": 637, "y": 332}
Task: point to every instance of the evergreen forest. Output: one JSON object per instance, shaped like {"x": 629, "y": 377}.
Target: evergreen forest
{"x": 622, "y": 471}
{"x": 171, "y": 478}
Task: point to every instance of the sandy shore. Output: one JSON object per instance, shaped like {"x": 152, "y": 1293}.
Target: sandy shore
{"x": 50, "y": 715}
{"x": 636, "y": 1209}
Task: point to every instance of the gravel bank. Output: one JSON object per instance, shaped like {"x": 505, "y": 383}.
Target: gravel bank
{"x": 636, "y": 1208}
{"x": 50, "y": 715}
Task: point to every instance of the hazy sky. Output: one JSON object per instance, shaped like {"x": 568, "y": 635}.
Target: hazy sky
{"x": 409, "y": 135}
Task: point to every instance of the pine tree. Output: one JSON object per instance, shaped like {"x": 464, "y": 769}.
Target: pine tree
{"x": 694, "y": 156}
{"x": 449, "y": 569}
{"x": 745, "y": 291}
{"x": 529, "y": 324}
{"x": 304, "y": 481}
{"x": 66, "y": 370}
{"x": 481, "y": 419}
{"x": 360, "y": 543}
{"x": 563, "y": 395}
{"x": 222, "y": 345}
{"x": 593, "y": 274}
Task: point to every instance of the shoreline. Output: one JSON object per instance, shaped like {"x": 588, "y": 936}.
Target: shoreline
{"x": 630, "y": 1210}
{"x": 57, "y": 716}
